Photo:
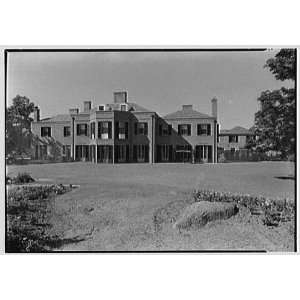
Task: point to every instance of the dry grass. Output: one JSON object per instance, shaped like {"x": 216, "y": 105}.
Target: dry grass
{"x": 118, "y": 201}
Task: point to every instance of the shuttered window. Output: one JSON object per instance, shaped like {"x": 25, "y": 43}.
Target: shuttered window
{"x": 67, "y": 131}
{"x": 184, "y": 129}
{"x": 203, "y": 129}
{"x": 82, "y": 129}
{"x": 164, "y": 130}
{"x": 121, "y": 130}
{"x": 141, "y": 128}
{"x": 105, "y": 130}
{"x": 233, "y": 139}
{"x": 46, "y": 131}
{"x": 93, "y": 130}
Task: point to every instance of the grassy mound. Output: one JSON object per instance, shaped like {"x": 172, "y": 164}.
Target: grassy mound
{"x": 200, "y": 213}
{"x": 272, "y": 211}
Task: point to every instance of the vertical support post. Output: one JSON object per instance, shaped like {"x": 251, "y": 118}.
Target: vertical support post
{"x": 215, "y": 145}
{"x": 96, "y": 153}
{"x": 73, "y": 139}
{"x": 152, "y": 158}
{"x": 193, "y": 154}
{"x": 113, "y": 138}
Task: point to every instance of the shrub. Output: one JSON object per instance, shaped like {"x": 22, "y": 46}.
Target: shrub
{"x": 29, "y": 209}
{"x": 273, "y": 210}
{"x": 8, "y": 180}
{"x": 23, "y": 178}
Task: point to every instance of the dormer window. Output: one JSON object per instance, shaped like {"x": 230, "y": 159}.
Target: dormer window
{"x": 101, "y": 107}
{"x": 123, "y": 107}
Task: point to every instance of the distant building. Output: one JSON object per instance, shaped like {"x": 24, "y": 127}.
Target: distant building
{"x": 235, "y": 139}
{"x": 123, "y": 132}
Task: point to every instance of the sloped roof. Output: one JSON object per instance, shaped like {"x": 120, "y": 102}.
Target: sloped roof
{"x": 137, "y": 107}
{"x": 58, "y": 118}
{"x": 131, "y": 106}
{"x": 238, "y": 130}
{"x": 187, "y": 114}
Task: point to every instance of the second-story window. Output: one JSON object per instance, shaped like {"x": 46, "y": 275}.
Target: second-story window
{"x": 203, "y": 129}
{"x": 93, "y": 130}
{"x": 46, "y": 131}
{"x": 164, "y": 130}
{"x": 82, "y": 129}
{"x": 233, "y": 139}
{"x": 104, "y": 130}
{"x": 184, "y": 129}
{"x": 121, "y": 130}
{"x": 67, "y": 131}
{"x": 141, "y": 128}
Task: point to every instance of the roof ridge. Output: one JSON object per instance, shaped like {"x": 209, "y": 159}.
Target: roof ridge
{"x": 187, "y": 113}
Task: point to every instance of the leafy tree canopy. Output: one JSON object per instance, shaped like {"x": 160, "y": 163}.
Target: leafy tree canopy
{"x": 18, "y": 122}
{"x": 275, "y": 122}
{"x": 283, "y": 65}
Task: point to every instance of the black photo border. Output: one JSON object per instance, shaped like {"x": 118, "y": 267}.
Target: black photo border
{"x": 140, "y": 49}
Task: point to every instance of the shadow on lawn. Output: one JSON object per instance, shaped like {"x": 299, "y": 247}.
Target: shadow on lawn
{"x": 29, "y": 212}
{"x": 289, "y": 177}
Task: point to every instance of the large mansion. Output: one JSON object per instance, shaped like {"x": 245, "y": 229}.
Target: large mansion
{"x": 123, "y": 132}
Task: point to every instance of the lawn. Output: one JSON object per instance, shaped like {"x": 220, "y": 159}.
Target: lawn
{"x": 115, "y": 203}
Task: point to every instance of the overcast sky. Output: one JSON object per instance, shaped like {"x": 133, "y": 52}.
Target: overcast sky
{"x": 159, "y": 81}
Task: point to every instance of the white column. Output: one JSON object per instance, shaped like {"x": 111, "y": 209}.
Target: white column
{"x": 96, "y": 153}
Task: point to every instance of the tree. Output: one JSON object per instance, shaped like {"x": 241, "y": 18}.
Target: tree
{"x": 275, "y": 122}
{"x": 18, "y": 120}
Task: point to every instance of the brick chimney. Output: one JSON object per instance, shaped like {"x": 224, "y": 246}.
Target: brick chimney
{"x": 120, "y": 97}
{"x": 187, "y": 107}
{"x": 87, "y": 106}
{"x": 36, "y": 114}
{"x": 214, "y": 107}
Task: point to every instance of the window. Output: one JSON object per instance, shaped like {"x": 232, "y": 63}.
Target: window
{"x": 184, "y": 129}
{"x": 101, "y": 107}
{"x": 93, "y": 130}
{"x": 233, "y": 139}
{"x": 183, "y": 153}
{"x": 166, "y": 152}
{"x": 122, "y": 153}
{"x": 67, "y": 131}
{"x": 141, "y": 153}
{"x": 121, "y": 130}
{"x": 46, "y": 131}
{"x": 203, "y": 129}
{"x": 141, "y": 128}
{"x": 203, "y": 153}
{"x": 104, "y": 130}
{"x": 123, "y": 107}
{"x": 82, "y": 129}
{"x": 164, "y": 130}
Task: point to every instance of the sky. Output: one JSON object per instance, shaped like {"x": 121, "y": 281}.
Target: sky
{"x": 159, "y": 81}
